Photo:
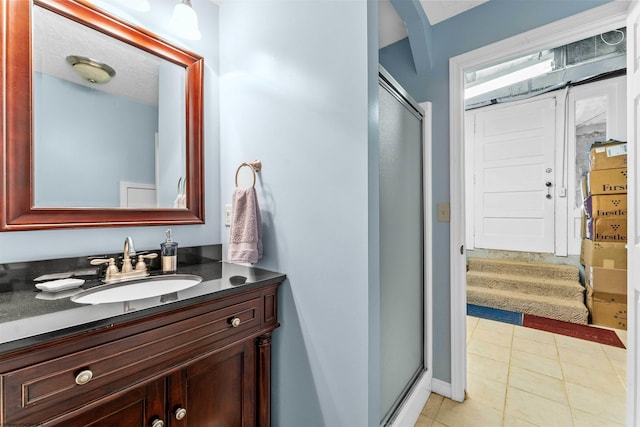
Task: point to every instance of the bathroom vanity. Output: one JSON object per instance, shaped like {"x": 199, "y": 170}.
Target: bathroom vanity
{"x": 199, "y": 357}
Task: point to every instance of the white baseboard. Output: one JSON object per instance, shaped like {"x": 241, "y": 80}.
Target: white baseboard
{"x": 440, "y": 387}
{"x": 411, "y": 408}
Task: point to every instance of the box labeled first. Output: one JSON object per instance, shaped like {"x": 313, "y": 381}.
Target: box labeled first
{"x": 607, "y": 181}
{"x": 611, "y": 155}
{"x": 607, "y": 229}
{"x": 606, "y": 205}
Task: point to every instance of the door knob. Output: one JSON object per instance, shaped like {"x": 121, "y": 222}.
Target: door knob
{"x": 548, "y": 184}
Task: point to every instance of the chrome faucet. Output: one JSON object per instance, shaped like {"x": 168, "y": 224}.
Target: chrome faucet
{"x": 129, "y": 252}
{"x": 128, "y": 247}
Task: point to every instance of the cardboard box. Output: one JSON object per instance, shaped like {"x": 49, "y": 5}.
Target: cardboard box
{"x": 608, "y": 181}
{"x": 604, "y": 254}
{"x": 583, "y": 249}
{"x": 607, "y": 309}
{"x": 583, "y": 224}
{"x": 606, "y": 205}
{"x": 610, "y": 155}
{"x": 607, "y": 229}
{"x": 606, "y": 280}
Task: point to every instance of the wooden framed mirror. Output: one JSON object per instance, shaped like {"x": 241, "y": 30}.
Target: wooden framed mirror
{"x": 20, "y": 208}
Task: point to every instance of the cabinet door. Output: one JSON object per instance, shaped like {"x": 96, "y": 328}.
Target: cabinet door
{"x": 217, "y": 390}
{"x": 138, "y": 407}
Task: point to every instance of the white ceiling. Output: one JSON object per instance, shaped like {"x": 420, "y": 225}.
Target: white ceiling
{"x": 55, "y": 37}
{"x": 392, "y": 29}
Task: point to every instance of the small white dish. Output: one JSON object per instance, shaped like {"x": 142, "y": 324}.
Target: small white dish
{"x": 50, "y": 296}
{"x": 59, "y": 285}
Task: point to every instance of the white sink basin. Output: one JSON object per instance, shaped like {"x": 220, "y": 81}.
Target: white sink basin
{"x": 138, "y": 289}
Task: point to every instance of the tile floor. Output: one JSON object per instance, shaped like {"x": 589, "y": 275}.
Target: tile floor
{"x": 519, "y": 376}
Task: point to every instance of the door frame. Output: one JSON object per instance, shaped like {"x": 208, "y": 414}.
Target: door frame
{"x": 600, "y": 19}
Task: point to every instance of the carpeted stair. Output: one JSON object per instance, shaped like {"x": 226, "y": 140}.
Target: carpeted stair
{"x": 546, "y": 290}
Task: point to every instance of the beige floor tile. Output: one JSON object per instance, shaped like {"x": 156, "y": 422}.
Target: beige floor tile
{"x": 472, "y": 322}
{"x": 583, "y": 346}
{"x": 468, "y": 413}
{"x": 489, "y": 350}
{"x": 538, "y": 384}
{"x": 534, "y": 335}
{"x": 511, "y": 421}
{"x": 531, "y": 362}
{"x": 538, "y": 348}
{"x": 437, "y": 424}
{"x": 621, "y": 371}
{"x": 432, "y": 406}
{"x": 487, "y": 392}
{"x": 593, "y": 378}
{"x": 622, "y": 334}
{"x": 489, "y": 368}
{"x": 585, "y": 419}
{"x": 423, "y": 421}
{"x": 588, "y": 360}
{"x": 615, "y": 353}
{"x": 599, "y": 403}
{"x": 537, "y": 410}
{"x": 494, "y": 337}
{"x": 505, "y": 328}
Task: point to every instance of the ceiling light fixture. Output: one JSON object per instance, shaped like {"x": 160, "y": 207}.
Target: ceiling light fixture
{"x": 509, "y": 79}
{"x": 90, "y": 70}
{"x": 185, "y": 21}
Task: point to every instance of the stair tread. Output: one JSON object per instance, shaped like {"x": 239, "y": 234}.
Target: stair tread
{"x": 518, "y": 295}
{"x": 498, "y": 261}
{"x": 525, "y": 278}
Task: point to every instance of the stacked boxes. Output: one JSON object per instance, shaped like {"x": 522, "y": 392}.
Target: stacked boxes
{"x": 604, "y": 252}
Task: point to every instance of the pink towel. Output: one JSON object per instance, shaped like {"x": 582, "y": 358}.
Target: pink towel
{"x": 245, "y": 237}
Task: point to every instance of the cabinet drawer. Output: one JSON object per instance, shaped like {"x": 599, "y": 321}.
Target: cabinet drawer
{"x": 31, "y": 392}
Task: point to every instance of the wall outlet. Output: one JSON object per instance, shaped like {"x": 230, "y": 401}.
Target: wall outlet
{"x": 227, "y": 215}
{"x": 444, "y": 212}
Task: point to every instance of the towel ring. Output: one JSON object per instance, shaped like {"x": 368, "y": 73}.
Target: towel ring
{"x": 255, "y": 166}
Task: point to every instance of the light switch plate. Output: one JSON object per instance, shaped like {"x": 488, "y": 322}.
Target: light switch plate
{"x": 444, "y": 212}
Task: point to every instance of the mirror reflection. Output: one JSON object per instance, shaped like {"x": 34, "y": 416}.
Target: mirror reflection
{"x": 108, "y": 120}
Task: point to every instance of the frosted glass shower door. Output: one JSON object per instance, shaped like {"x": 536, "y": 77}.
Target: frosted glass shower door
{"x": 401, "y": 248}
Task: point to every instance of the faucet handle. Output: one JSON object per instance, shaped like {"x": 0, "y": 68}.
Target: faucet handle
{"x": 111, "y": 269}
{"x": 140, "y": 265}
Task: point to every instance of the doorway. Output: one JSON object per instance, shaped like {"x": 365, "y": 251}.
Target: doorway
{"x": 598, "y": 20}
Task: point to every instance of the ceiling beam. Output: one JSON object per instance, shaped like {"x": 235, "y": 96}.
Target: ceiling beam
{"x": 419, "y": 31}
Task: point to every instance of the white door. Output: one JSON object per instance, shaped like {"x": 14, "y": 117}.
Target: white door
{"x": 514, "y": 179}
{"x": 633, "y": 297}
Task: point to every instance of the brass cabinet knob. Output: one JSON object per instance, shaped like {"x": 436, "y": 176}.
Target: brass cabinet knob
{"x": 157, "y": 423}
{"x": 180, "y": 413}
{"x": 235, "y": 322}
{"x": 84, "y": 377}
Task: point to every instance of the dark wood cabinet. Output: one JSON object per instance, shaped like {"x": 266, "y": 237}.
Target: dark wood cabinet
{"x": 206, "y": 364}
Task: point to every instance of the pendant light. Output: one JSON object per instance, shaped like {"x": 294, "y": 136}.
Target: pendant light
{"x": 185, "y": 21}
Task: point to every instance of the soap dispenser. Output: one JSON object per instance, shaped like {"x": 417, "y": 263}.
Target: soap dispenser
{"x": 169, "y": 253}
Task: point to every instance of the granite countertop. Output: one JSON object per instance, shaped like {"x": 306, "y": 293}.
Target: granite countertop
{"x": 29, "y": 316}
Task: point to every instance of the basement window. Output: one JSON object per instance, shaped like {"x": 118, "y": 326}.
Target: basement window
{"x": 540, "y": 72}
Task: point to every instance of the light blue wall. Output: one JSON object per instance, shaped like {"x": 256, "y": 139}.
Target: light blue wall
{"x": 172, "y": 162}
{"x": 483, "y": 25}
{"x": 296, "y": 87}
{"x": 84, "y": 167}
{"x": 32, "y": 245}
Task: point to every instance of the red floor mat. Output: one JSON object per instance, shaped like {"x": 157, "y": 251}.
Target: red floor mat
{"x": 589, "y": 333}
